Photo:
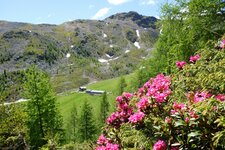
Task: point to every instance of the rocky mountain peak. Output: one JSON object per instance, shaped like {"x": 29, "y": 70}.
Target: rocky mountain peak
{"x": 140, "y": 20}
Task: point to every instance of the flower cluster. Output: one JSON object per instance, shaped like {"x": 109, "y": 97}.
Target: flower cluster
{"x": 178, "y": 107}
{"x": 153, "y": 93}
{"x": 220, "y": 97}
{"x": 159, "y": 145}
{"x": 105, "y": 144}
{"x": 193, "y": 59}
{"x": 108, "y": 146}
{"x": 180, "y": 64}
{"x": 159, "y": 88}
{"x": 143, "y": 104}
{"x": 182, "y": 111}
{"x": 198, "y": 97}
{"x": 123, "y": 111}
{"x": 136, "y": 117}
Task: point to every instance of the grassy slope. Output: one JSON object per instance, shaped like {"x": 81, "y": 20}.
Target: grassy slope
{"x": 66, "y": 102}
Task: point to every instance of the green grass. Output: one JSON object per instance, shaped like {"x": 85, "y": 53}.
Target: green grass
{"x": 66, "y": 102}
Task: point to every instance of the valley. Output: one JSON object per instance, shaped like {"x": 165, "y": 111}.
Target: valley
{"x": 78, "y": 52}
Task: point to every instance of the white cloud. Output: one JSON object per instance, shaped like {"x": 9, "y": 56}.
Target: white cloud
{"x": 101, "y": 13}
{"x": 148, "y": 2}
{"x": 117, "y": 2}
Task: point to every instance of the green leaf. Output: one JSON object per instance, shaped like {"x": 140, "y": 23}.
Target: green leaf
{"x": 194, "y": 134}
{"x": 179, "y": 123}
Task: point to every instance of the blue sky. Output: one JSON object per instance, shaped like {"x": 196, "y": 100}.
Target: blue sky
{"x": 59, "y": 11}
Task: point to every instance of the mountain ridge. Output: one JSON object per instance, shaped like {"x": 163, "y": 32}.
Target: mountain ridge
{"x": 77, "y": 52}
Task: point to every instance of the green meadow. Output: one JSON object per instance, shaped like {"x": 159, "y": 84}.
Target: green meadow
{"x": 68, "y": 100}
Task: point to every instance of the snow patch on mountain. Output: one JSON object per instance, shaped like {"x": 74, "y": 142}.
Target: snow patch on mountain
{"x": 137, "y": 45}
{"x": 138, "y": 33}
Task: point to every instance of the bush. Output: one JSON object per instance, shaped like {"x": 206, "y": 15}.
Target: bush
{"x": 183, "y": 111}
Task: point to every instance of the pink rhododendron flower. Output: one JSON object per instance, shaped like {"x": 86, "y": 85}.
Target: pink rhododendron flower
{"x": 122, "y": 106}
{"x": 180, "y": 64}
{"x": 128, "y": 95}
{"x": 137, "y": 117}
{"x": 143, "y": 104}
{"x": 102, "y": 140}
{"x": 119, "y": 99}
{"x": 101, "y": 148}
{"x": 147, "y": 85}
{"x": 220, "y": 97}
{"x": 141, "y": 90}
{"x": 222, "y": 44}
{"x": 186, "y": 119}
{"x": 180, "y": 106}
{"x": 114, "y": 119}
{"x": 168, "y": 120}
{"x": 198, "y": 97}
{"x": 159, "y": 88}
{"x": 160, "y": 97}
{"x": 159, "y": 145}
{"x": 173, "y": 112}
{"x": 193, "y": 114}
{"x": 193, "y": 59}
{"x": 110, "y": 146}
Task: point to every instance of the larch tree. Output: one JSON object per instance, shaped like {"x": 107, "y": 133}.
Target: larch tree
{"x": 72, "y": 126}
{"x": 104, "y": 108}
{"x": 44, "y": 121}
{"x": 87, "y": 127}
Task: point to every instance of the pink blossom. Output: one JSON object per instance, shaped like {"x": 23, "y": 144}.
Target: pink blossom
{"x": 198, "y": 97}
{"x": 173, "y": 112}
{"x": 125, "y": 114}
{"x": 147, "y": 84}
{"x": 222, "y": 44}
{"x": 102, "y": 140}
{"x": 160, "y": 97}
{"x": 159, "y": 88}
{"x": 137, "y": 117}
{"x": 159, "y": 145}
{"x": 186, "y": 119}
{"x": 143, "y": 104}
{"x": 141, "y": 90}
{"x": 122, "y": 106}
{"x": 128, "y": 95}
{"x": 168, "y": 120}
{"x": 193, "y": 59}
{"x": 110, "y": 146}
{"x": 119, "y": 99}
{"x": 180, "y": 64}
{"x": 180, "y": 106}
{"x": 114, "y": 119}
{"x": 101, "y": 148}
{"x": 193, "y": 114}
{"x": 220, "y": 97}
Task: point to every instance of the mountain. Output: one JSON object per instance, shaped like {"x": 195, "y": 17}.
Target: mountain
{"x": 140, "y": 20}
{"x": 79, "y": 51}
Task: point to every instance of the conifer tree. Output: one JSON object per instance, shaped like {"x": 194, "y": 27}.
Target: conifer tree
{"x": 122, "y": 85}
{"x": 44, "y": 119}
{"x": 185, "y": 27}
{"x": 104, "y": 108}
{"x": 73, "y": 125}
{"x": 87, "y": 127}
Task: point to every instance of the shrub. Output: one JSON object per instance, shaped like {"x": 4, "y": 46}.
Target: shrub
{"x": 182, "y": 111}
